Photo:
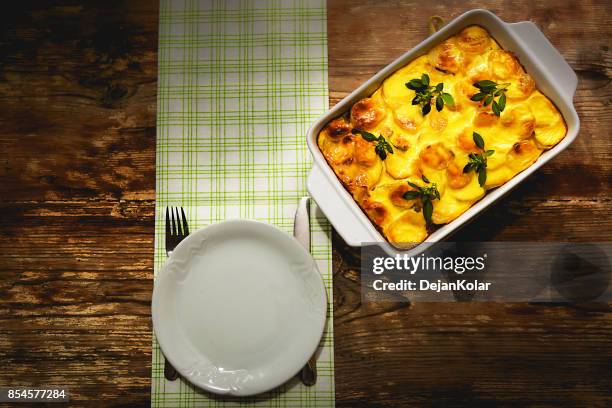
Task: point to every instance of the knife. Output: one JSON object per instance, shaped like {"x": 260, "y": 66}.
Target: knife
{"x": 301, "y": 231}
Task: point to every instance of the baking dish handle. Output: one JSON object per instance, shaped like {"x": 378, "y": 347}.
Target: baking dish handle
{"x": 337, "y": 211}
{"x": 541, "y": 48}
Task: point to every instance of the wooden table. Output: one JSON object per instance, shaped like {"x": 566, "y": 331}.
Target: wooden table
{"x": 77, "y": 195}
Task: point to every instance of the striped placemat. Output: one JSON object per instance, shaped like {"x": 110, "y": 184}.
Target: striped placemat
{"x": 239, "y": 84}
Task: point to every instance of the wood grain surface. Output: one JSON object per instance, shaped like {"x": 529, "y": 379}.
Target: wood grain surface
{"x": 77, "y": 144}
{"x": 77, "y": 195}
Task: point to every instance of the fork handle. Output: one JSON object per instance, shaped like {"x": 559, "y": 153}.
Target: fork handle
{"x": 169, "y": 372}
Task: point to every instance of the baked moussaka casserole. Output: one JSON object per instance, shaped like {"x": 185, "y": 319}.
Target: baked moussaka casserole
{"x": 438, "y": 133}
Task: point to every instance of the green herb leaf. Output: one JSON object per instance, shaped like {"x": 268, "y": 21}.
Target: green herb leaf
{"x": 439, "y": 103}
{"x": 382, "y": 146}
{"x": 388, "y": 147}
{"x": 482, "y": 176}
{"x": 490, "y": 90}
{"x": 427, "y": 210}
{"x": 495, "y": 108}
{"x": 427, "y": 194}
{"x": 426, "y": 95}
{"x": 502, "y": 102}
{"x": 448, "y": 99}
{"x": 478, "y": 140}
{"x": 415, "y": 84}
{"x": 478, "y": 162}
{"x": 425, "y": 79}
{"x": 478, "y": 97}
{"x": 411, "y": 195}
{"x": 380, "y": 151}
{"x": 414, "y": 186}
{"x": 484, "y": 84}
{"x": 366, "y": 135}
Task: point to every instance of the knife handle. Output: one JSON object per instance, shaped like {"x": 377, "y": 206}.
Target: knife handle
{"x": 308, "y": 374}
{"x": 301, "y": 223}
{"x": 301, "y": 232}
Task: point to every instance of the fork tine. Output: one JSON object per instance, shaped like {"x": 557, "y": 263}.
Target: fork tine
{"x": 172, "y": 217}
{"x": 167, "y": 224}
{"x": 185, "y": 225}
{"x": 177, "y": 220}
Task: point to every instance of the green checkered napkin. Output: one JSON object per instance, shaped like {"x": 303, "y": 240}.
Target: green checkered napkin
{"x": 239, "y": 84}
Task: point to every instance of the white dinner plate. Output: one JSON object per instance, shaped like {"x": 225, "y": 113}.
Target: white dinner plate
{"x": 239, "y": 307}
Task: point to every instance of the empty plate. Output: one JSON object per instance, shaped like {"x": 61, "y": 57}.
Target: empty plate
{"x": 239, "y": 307}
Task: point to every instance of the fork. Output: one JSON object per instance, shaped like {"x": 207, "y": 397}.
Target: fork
{"x": 176, "y": 228}
{"x": 176, "y": 231}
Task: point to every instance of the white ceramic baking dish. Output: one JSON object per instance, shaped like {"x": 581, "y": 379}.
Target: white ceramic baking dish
{"x": 552, "y": 74}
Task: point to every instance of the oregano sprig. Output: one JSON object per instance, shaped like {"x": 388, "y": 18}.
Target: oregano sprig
{"x": 478, "y": 161}
{"x": 425, "y": 94}
{"x": 427, "y": 194}
{"x": 381, "y": 148}
{"x": 490, "y": 90}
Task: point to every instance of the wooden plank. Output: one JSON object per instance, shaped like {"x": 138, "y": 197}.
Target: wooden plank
{"x": 77, "y": 180}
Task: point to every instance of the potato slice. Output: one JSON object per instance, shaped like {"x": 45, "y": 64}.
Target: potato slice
{"x": 394, "y": 89}
{"x": 550, "y": 136}
{"x": 448, "y": 208}
{"x": 522, "y": 155}
{"x": 471, "y": 192}
{"x": 408, "y": 228}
